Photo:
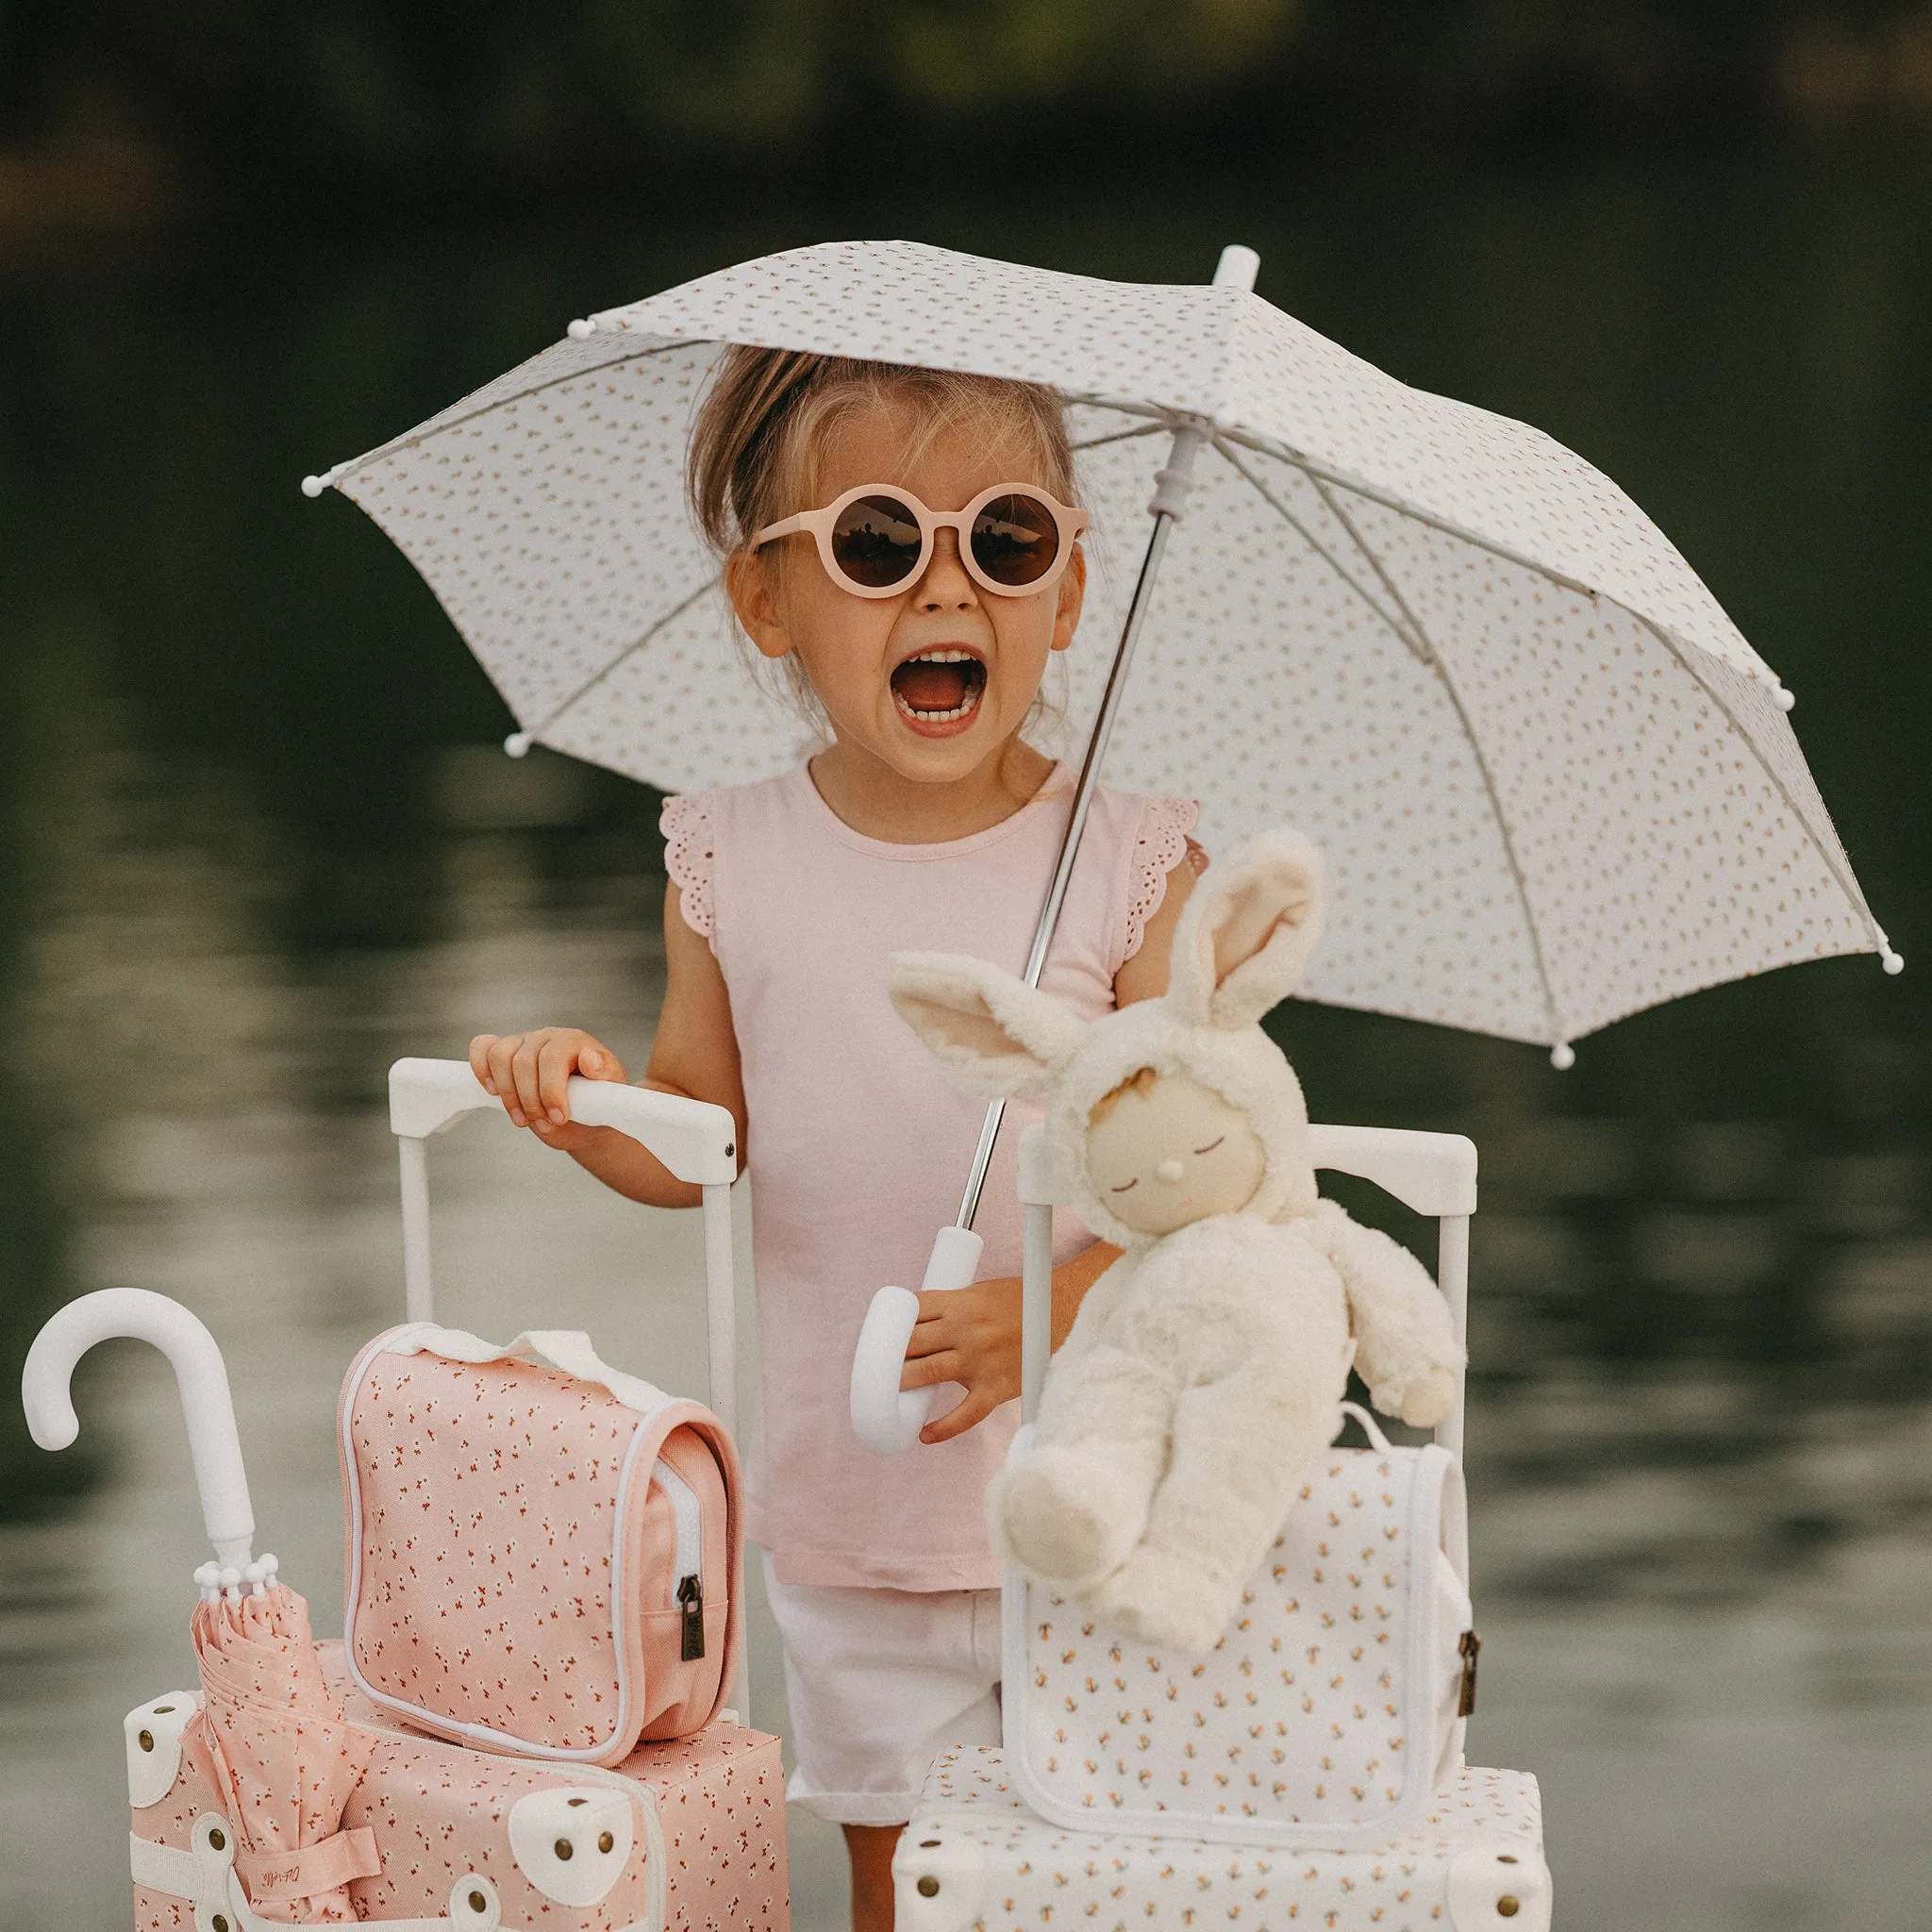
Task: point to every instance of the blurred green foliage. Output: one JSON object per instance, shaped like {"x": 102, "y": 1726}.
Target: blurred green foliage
{"x": 430, "y": 99}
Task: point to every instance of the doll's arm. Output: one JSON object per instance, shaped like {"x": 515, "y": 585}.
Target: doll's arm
{"x": 1406, "y": 1346}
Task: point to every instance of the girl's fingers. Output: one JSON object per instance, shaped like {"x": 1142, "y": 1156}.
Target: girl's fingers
{"x": 930, "y": 1370}
{"x": 556, "y": 1059}
{"x": 503, "y": 1080}
{"x": 524, "y": 1076}
{"x": 929, "y": 1335}
{"x": 955, "y": 1421}
{"x": 479, "y": 1060}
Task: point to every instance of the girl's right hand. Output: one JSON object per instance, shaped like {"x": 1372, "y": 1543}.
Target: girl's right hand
{"x": 529, "y": 1073}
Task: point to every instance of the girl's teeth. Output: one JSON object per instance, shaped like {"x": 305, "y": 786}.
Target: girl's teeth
{"x": 972, "y": 704}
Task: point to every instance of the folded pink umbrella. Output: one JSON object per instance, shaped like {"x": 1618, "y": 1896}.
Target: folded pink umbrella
{"x": 283, "y": 1749}
{"x": 280, "y": 1748}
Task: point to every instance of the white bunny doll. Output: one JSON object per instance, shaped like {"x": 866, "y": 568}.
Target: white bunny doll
{"x": 1206, "y": 1368}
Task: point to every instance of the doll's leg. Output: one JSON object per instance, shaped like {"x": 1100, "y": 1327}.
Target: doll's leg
{"x": 1073, "y": 1507}
{"x": 1240, "y": 1447}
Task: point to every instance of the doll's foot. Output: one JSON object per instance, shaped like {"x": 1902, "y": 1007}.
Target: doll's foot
{"x": 1424, "y": 1401}
{"x": 1160, "y": 1597}
{"x": 1065, "y": 1515}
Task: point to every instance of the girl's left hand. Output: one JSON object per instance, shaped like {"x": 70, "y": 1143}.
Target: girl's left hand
{"x": 970, "y": 1335}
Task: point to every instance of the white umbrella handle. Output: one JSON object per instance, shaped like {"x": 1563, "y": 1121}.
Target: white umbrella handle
{"x": 200, "y": 1374}
{"x": 886, "y": 1418}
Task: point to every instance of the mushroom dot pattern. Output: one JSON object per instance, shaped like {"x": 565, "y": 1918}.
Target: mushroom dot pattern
{"x": 1553, "y": 782}
{"x": 992, "y": 1866}
{"x": 1325, "y": 1713}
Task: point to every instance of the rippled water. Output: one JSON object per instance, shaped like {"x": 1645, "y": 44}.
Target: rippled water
{"x": 256, "y": 844}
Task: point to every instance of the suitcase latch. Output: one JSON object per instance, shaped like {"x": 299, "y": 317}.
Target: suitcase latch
{"x": 1469, "y": 1644}
{"x": 690, "y": 1597}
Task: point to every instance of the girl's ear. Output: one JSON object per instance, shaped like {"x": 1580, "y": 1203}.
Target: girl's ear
{"x": 749, "y": 583}
{"x": 1246, "y": 936}
{"x": 994, "y": 1035}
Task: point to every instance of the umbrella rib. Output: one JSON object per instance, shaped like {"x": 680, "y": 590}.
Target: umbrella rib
{"x": 1482, "y": 763}
{"x": 1122, "y": 436}
{"x": 630, "y": 650}
{"x": 1322, "y": 472}
{"x": 1846, "y": 884}
{"x": 1322, "y": 550}
{"x": 417, "y": 438}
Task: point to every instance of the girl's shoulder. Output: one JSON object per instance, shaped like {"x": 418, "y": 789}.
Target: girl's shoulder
{"x": 694, "y": 822}
{"x": 1155, "y": 835}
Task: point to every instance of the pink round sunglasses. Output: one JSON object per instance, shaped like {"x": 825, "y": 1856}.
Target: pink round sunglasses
{"x": 1014, "y": 539}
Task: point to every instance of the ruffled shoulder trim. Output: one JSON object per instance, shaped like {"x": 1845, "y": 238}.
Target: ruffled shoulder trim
{"x": 688, "y": 846}
{"x": 1161, "y": 844}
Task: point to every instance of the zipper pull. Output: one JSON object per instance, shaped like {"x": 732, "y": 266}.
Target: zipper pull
{"x": 1469, "y": 1644}
{"x": 690, "y": 1596}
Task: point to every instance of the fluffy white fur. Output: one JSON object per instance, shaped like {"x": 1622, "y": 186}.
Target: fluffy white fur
{"x": 1206, "y": 1368}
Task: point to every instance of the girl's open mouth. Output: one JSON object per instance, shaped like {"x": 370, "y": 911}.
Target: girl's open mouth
{"x": 939, "y": 688}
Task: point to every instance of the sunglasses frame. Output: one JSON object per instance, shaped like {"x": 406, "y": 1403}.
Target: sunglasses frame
{"x": 1069, "y": 523}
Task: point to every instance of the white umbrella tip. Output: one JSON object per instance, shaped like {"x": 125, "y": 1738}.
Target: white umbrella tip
{"x": 1783, "y": 697}
{"x": 1238, "y": 267}
{"x": 1562, "y": 1056}
{"x": 314, "y": 486}
{"x": 517, "y": 743}
{"x": 1893, "y": 963}
{"x": 581, "y": 327}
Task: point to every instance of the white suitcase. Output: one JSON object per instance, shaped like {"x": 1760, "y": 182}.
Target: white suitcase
{"x": 976, "y": 1859}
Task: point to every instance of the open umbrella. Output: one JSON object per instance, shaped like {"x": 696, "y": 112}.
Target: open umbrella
{"x": 281, "y": 1749}
{"x": 1553, "y": 782}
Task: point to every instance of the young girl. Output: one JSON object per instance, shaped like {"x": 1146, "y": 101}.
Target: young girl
{"x": 918, "y": 647}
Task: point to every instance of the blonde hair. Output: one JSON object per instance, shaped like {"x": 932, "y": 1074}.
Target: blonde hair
{"x": 1142, "y": 1081}
{"x": 755, "y": 444}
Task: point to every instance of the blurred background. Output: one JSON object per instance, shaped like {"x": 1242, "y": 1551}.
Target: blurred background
{"x": 256, "y": 838}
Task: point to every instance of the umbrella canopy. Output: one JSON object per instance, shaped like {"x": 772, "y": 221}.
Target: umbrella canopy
{"x": 1553, "y": 781}
{"x": 283, "y": 1753}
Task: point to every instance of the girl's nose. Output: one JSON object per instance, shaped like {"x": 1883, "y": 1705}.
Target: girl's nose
{"x": 945, "y": 585}
{"x": 1169, "y": 1170}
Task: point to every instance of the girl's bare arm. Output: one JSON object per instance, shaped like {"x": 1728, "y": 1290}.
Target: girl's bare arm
{"x": 695, "y": 1053}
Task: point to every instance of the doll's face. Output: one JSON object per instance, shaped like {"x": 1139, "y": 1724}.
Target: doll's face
{"x": 1173, "y": 1153}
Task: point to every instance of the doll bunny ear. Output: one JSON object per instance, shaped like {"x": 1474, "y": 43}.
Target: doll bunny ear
{"x": 1245, "y": 938}
{"x": 994, "y": 1035}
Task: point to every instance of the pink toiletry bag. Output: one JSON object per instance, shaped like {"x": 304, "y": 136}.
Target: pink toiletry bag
{"x": 540, "y": 1548}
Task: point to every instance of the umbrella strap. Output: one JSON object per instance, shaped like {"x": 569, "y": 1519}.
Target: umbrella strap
{"x": 330, "y": 1863}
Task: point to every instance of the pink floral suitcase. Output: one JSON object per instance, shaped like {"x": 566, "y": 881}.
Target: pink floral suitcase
{"x": 682, "y": 1837}
{"x": 277, "y": 1794}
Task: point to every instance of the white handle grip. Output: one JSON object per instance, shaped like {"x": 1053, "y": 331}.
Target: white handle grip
{"x": 886, "y": 1418}
{"x": 200, "y": 1374}
{"x": 695, "y": 1139}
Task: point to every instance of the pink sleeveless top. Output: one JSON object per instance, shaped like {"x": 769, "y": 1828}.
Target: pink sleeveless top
{"x": 857, "y": 1146}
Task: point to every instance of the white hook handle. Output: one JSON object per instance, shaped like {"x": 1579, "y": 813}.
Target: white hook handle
{"x": 884, "y": 1417}
{"x": 200, "y": 1374}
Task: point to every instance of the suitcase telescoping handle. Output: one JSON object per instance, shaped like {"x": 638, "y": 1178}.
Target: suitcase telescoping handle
{"x": 200, "y": 1374}
{"x": 695, "y": 1140}
{"x": 1431, "y": 1174}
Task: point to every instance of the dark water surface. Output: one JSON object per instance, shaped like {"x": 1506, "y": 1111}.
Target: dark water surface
{"x": 255, "y": 842}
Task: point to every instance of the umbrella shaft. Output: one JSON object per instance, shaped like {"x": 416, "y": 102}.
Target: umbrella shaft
{"x": 1187, "y": 442}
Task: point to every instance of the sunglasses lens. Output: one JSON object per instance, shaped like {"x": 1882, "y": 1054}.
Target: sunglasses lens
{"x": 877, "y": 541}
{"x": 1015, "y": 539}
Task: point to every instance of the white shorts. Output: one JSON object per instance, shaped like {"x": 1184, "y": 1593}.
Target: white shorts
{"x": 879, "y": 1683}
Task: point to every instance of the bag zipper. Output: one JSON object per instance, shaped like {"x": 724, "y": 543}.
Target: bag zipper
{"x": 688, "y": 1565}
